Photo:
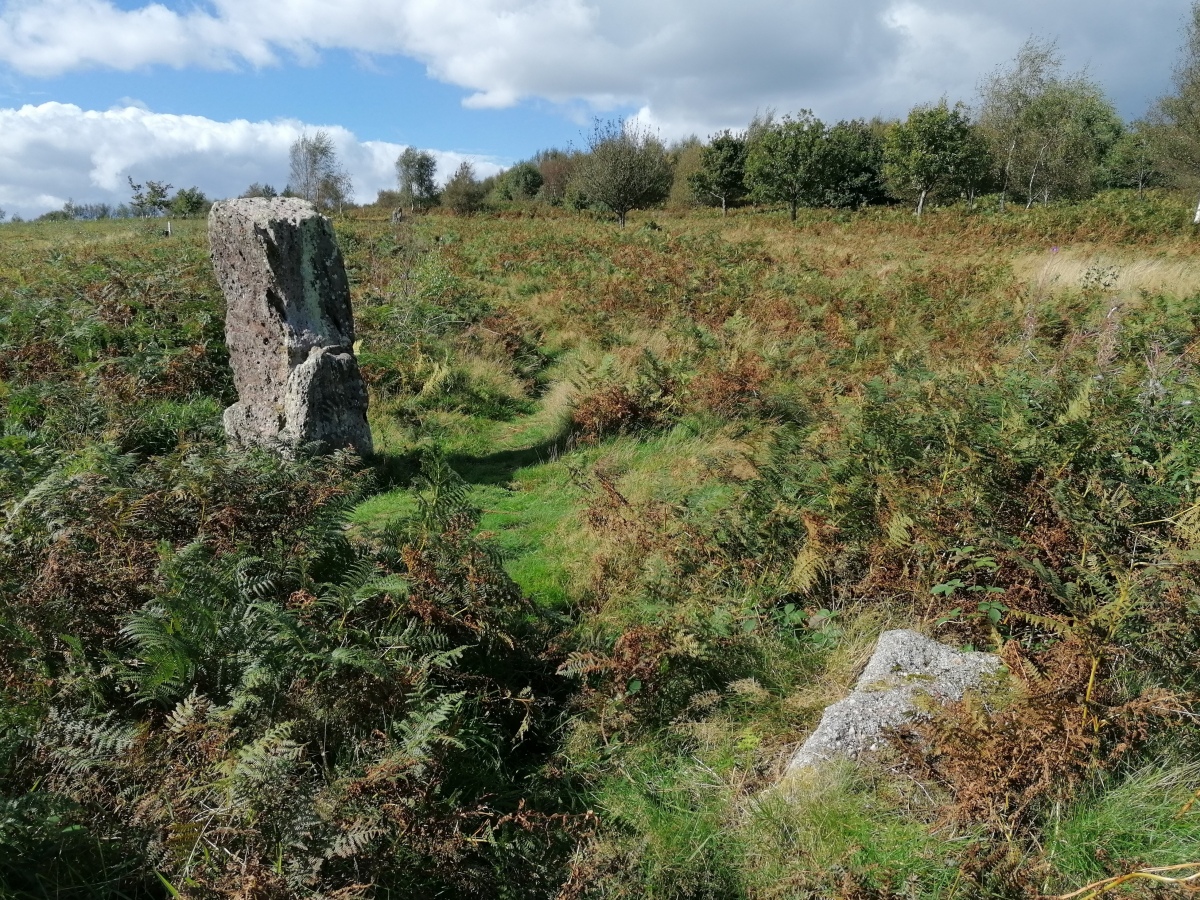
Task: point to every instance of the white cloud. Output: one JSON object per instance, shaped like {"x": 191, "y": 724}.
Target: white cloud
{"x": 692, "y": 64}
{"x": 56, "y": 151}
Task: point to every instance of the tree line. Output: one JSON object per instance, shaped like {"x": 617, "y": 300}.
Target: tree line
{"x": 1035, "y": 134}
{"x": 151, "y": 199}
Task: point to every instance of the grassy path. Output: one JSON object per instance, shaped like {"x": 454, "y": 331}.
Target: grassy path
{"x": 518, "y": 477}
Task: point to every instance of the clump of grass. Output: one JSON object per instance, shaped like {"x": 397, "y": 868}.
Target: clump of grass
{"x": 844, "y": 834}
{"x": 1126, "y": 823}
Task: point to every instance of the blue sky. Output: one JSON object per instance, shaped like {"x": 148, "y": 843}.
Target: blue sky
{"x": 389, "y": 99}
{"x": 212, "y": 93}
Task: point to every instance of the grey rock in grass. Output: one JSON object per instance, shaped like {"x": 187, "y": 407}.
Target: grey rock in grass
{"x": 289, "y": 327}
{"x": 904, "y": 666}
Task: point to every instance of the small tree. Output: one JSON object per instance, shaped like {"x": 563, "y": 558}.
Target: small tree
{"x": 189, "y": 202}
{"x": 684, "y": 158}
{"x": 463, "y": 193}
{"x": 783, "y": 163}
{"x": 934, "y": 150}
{"x": 1068, "y": 130}
{"x": 1047, "y": 133}
{"x": 336, "y": 191}
{"x": 1005, "y": 99}
{"x": 415, "y": 170}
{"x": 264, "y": 191}
{"x": 626, "y": 168}
{"x": 1133, "y": 161}
{"x": 520, "y": 183}
{"x": 389, "y": 199}
{"x": 722, "y": 175}
{"x": 556, "y": 167}
{"x": 316, "y": 172}
{"x": 149, "y": 199}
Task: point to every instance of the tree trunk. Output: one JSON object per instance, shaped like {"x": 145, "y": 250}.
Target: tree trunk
{"x": 1033, "y": 178}
{"x": 1196, "y": 219}
{"x": 921, "y": 202}
{"x": 1012, "y": 148}
{"x": 621, "y": 218}
{"x": 794, "y": 205}
{"x": 723, "y": 211}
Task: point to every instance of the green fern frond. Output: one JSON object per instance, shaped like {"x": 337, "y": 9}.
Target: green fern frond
{"x": 355, "y": 841}
{"x": 259, "y": 762}
{"x": 192, "y": 708}
{"x": 421, "y": 730}
{"x": 1046, "y": 623}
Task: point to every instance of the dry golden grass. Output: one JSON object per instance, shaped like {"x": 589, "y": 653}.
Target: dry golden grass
{"x": 1175, "y": 273}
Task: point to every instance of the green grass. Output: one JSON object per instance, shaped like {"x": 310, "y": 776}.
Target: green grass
{"x": 1128, "y": 824}
{"x": 842, "y": 822}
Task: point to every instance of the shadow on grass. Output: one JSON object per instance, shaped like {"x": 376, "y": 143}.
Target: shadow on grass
{"x": 397, "y": 470}
{"x": 499, "y": 467}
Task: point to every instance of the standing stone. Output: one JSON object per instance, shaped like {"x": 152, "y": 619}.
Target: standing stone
{"x": 289, "y": 327}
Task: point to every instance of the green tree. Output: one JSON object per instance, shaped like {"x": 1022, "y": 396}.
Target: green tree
{"x": 335, "y": 192}
{"x": 1047, "y": 133}
{"x": 722, "y": 175}
{"x": 626, "y": 168}
{"x": 934, "y": 151}
{"x": 149, "y": 199}
{"x": 1068, "y": 131}
{"x": 1005, "y": 98}
{"x": 1174, "y": 119}
{"x": 684, "y": 157}
{"x": 1133, "y": 161}
{"x": 557, "y": 168}
{"x": 463, "y": 192}
{"x": 415, "y": 171}
{"x": 850, "y": 162}
{"x": 189, "y": 202}
{"x": 520, "y": 183}
{"x": 783, "y": 162}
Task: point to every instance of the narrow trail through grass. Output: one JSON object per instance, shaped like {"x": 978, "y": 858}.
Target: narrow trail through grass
{"x": 518, "y": 477}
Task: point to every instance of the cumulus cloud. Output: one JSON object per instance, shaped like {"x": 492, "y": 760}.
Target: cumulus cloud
{"x": 692, "y": 64}
{"x": 57, "y": 151}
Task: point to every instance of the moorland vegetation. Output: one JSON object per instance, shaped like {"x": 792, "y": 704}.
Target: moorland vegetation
{"x": 642, "y": 500}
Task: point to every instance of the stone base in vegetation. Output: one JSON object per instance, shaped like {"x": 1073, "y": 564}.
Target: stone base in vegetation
{"x": 905, "y": 666}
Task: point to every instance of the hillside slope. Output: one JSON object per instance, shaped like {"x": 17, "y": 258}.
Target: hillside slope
{"x": 642, "y": 500}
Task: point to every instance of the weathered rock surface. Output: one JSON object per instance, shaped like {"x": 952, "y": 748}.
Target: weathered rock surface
{"x": 289, "y": 327}
{"x": 904, "y": 666}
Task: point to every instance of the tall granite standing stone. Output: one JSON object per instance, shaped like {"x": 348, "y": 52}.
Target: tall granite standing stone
{"x": 289, "y": 327}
